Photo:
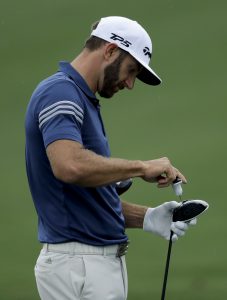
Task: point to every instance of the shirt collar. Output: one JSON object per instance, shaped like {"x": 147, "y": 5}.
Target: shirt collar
{"x": 67, "y": 68}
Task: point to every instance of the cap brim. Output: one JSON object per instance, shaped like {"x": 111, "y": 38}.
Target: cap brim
{"x": 147, "y": 75}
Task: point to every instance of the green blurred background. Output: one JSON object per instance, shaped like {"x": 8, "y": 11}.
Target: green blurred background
{"x": 184, "y": 119}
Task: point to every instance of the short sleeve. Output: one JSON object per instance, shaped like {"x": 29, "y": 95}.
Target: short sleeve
{"x": 60, "y": 113}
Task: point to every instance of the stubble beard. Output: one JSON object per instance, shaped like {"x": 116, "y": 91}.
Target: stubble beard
{"x": 111, "y": 83}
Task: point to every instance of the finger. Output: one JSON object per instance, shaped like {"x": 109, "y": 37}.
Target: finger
{"x": 181, "y": 225}
{"x": 170, "y": 174}
{"x": 163, "y": 181}
{"x": 178, "y": 232}
{"x": 163, "y": 185}
{"x": 179, "y": 228}
{"x": 171, "y": 205}
{"x": 174, "y": 237}
{"x": 180, "y": 175}
{"x": 169, "y": 170}
{"x": 192, "y": 222}
{"x": 160, "y": 178}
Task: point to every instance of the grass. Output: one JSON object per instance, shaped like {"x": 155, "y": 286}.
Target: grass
{"x": 184, "y": 119}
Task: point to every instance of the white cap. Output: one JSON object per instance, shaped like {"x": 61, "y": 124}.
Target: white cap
{"x": 131, "y": 37}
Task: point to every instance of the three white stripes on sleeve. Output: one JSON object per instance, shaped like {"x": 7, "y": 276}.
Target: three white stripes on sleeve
{"x": 61, "y": 107}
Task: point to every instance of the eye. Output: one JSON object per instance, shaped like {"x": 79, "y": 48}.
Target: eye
{"x": 132, "y": 70}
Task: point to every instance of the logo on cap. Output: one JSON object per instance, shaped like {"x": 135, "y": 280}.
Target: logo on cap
{"x": 146, "y": 51}
{"x": 117, "y": 37}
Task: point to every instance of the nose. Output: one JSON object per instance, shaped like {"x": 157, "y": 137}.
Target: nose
{"x": 129, "y": 82}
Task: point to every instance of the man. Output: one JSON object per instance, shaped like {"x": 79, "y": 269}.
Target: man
{"x": 81, "y": 219}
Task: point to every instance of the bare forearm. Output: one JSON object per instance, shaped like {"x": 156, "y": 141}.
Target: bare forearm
{"x": 72, "y": 163}
{"x": 97, "y": 170}
{"x": 133, "y": 214}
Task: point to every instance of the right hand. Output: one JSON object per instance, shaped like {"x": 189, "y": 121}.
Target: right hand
{"x": 161, "y": 171}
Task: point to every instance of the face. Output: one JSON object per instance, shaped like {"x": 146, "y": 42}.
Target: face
{"x": 119, "y": 74}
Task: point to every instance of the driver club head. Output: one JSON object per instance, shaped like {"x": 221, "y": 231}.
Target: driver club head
{"x": 123, "y": 186}
{"x": 189, "y": 209}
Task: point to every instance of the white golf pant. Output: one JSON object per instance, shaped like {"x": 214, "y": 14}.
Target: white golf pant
{"x": 75, "y": 271}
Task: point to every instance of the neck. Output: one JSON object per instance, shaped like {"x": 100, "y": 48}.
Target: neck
{"x": 88, "y": 65}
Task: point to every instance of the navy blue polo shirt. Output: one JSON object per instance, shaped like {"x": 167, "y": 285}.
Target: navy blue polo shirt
{"x": 63, "y": 107}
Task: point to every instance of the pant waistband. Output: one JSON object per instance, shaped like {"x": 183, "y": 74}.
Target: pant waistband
{"x": 84, "y": 249}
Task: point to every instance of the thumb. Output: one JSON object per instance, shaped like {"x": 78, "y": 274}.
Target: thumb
{"x": 171, "y": 205}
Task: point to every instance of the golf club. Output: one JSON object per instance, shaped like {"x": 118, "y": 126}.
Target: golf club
{"x": 188, "y": 210}
{"x": 123, "y": 186}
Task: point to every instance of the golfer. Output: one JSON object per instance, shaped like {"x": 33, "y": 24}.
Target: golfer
{"x": 72, "y": 176}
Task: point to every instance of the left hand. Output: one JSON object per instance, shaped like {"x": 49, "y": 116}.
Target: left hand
{"x": 158, "y": 220}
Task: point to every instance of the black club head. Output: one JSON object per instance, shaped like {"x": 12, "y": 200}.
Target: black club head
{"x": 189, "y": 209}
{"x": 123, "y": 186}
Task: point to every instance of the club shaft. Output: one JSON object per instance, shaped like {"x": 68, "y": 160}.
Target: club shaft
{"x": 167, "y": 267}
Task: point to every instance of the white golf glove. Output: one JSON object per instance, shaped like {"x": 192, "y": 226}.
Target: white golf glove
{"x": 158, "y": 220}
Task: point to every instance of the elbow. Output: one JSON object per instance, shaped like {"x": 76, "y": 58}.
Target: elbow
{"x": 68, "y": 174}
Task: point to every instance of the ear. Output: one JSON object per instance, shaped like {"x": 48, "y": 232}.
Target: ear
{"x": 111, "y": 51}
